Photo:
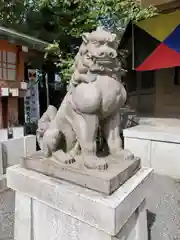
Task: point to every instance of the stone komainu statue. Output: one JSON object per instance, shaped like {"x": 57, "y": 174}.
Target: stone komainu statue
{"x": 94, "y": 98}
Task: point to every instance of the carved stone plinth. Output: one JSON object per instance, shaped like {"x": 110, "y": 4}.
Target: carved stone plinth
{"x": 107, "y": 181}
{"x": 49, "y": 209}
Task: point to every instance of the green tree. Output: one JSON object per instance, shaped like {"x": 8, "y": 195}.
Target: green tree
{"x": 63, "y": 21}
{"x": 87, "y": 15}
{"x": 11, "y": 12}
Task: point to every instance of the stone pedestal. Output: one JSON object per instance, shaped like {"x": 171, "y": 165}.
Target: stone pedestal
{"x": 10, "y": 153}
{"x": 107, "y": 182}
{"x": 6, "y": 210}
{"x": 51, "y": 209}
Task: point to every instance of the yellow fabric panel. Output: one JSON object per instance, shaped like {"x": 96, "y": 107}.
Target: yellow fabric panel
{"x": 162, "y": 25}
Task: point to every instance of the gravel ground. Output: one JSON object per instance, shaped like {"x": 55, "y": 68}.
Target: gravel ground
{"x": 163, "y": 206}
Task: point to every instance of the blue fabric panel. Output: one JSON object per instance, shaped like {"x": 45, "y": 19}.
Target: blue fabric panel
{"x": 173, "y": 40}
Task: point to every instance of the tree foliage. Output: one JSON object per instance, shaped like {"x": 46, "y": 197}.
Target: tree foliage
{"x": 64, "y": 21}
{"x": 85, "y": 16}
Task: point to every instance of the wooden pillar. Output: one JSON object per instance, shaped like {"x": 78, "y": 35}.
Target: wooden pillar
{"x": 1, "y": 114}
{"x": 13, "y": 111}
{"x": 20, "y": 67}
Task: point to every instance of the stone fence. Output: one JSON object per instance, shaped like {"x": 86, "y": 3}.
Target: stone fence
{"x": 157, "y": 146}
{"x": 10, "y": 153}
{"x": 14, "y": 132}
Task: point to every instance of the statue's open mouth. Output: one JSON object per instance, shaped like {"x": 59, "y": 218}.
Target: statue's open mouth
{"x": 102, "y": 60}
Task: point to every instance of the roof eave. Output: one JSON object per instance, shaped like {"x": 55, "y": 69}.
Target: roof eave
{"x": 23, "y": 39}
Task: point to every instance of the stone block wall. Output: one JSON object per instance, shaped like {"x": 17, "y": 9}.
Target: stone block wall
{"x": 10, "y": 153}
{"x": 7, "y": 206}
{"x": 13, "y": 150}
{"x": 158, "y": 148}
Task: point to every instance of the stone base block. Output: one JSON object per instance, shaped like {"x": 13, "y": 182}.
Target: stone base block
{"x": 51, "y": 209}
{"x": 7, "y": 202}
{"x": 107, "y": 181}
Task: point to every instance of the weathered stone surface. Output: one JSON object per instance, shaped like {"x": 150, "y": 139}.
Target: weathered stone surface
{"x": 6, "y": 211}
{"x": 92, "y": 103}
{"x": 3, "y": 183}
{"x": 13, "y": 150}
{"x": 102, "y": 181}
{"x": 66, "y": 211}
{"x": 22, "y": 217}
{"x": 158, "y": 147}
{"x": 18, "y": 132}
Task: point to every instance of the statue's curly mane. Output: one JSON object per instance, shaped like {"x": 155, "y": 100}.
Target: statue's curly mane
{"x": 97, "y": 55}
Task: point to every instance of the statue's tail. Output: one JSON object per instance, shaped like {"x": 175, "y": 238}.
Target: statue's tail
{"x": 44, "y": 122}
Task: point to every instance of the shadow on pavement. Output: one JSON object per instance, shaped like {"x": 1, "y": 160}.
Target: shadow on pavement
{"x": 151, "y": 217}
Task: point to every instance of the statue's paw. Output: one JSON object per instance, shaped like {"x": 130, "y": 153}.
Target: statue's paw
{"x": 123, "y": 154}
{"x": 46, "y": 149}
{"x": 93, "y": 162}
{"x": 63, "y": 157}
{"x": 70, "y": 160}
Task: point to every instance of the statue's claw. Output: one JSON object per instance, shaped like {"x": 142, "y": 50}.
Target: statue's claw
{"x": 93, "y": 162}
{"x": 63, "y": 157}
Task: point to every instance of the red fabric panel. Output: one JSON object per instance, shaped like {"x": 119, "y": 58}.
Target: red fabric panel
{"x": 162, "y": 57}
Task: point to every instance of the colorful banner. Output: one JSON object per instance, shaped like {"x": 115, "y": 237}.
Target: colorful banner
{"x": 32, "y": 114}
{"x": 163, "y": 32}
{"x": 155, "y": 42}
